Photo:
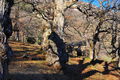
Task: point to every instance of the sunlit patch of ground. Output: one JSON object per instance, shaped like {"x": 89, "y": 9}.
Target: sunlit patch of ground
{"x": 29, "y": 63}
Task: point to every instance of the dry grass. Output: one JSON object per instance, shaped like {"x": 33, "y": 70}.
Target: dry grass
{"x": 28, "y": 69}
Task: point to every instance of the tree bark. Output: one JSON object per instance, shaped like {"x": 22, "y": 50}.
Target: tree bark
{"x": 5, "y": 33}
{"x": 6, "y": 21}
{"x": 59, "y": 16}
{"x": 55, "y": 40}
{"x": 119, "y": 62}
{"x": 119, "y": 56}
{"x": 54, "y": 37}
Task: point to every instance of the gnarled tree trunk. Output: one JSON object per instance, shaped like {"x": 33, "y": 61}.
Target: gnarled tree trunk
{"x": 56, "y": 51}
{"x": 55, "y": 38}
{"x": 5, "y": 33}
{"x": 59, "y": 16}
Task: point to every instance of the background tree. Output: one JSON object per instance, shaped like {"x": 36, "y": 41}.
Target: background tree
{"x": 104, "y": 22}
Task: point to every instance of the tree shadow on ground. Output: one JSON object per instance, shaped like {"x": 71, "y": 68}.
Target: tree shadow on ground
{"x": 68, "y": 72}
{"x": 76, "y": 71}
{"x": 38, "y": 77}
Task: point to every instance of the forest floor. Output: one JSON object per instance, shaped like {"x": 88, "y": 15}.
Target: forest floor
{"x": 28, "y": 63}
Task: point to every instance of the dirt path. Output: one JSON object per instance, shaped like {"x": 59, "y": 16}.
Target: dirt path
{"x": 25, "y": 68}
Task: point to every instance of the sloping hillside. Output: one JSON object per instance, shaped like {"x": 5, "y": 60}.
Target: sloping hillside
{"x": 28, "y": 63}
